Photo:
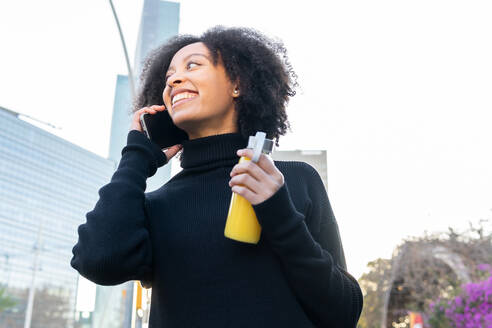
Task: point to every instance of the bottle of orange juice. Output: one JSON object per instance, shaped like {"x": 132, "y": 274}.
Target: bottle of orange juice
{"x": 242, "y": 224}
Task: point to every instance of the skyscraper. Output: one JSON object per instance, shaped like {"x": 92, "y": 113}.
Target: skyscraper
{"x": 47, "y": 185}
{"x": 160, "y": 21}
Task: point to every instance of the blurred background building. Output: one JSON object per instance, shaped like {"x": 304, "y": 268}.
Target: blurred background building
{"x": 316, "y": 158}
{"x": 47, "y": 185}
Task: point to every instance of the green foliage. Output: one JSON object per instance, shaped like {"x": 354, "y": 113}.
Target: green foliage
{"x": 438, "y": 318}
{"x": 415, "y": 276}
{"x": 373, "y": 285}
{"x": 5, "y": 301}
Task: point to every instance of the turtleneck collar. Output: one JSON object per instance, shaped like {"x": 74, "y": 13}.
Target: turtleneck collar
{"x": 212, "y": 151}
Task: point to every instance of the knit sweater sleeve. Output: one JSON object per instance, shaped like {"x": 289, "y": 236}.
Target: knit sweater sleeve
{"x": 312, "y": 256}
{"x": 114, "y": 244}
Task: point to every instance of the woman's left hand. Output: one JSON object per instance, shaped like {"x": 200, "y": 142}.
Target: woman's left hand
{"x": 255, "y": 181}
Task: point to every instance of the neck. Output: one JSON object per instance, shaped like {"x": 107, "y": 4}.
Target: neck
{"x": 211, "y": 132}
{"x": 214, "y": 126}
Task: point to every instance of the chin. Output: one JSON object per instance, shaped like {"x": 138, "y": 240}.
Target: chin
{"x": 184, "y": 120}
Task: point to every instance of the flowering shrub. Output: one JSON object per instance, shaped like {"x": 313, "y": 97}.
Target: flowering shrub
{"x": 472, "y": 308}
{"x": 438, "y": 318}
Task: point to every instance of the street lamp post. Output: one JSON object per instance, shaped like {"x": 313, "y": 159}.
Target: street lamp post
{"x": 30, "y": 300}
{"x": 129, "y": 67}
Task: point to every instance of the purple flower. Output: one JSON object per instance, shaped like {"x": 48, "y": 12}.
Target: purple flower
{"x": 484, "y": 267}
{"x": 471, "y": 308}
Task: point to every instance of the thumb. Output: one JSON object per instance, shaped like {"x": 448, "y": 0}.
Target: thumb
{"x": 172, "y": 151}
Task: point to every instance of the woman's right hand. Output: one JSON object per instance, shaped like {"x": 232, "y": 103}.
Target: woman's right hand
{"x": 135, "y": 125}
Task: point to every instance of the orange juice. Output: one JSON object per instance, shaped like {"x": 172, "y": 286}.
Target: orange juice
{"x": 242, "y": 224}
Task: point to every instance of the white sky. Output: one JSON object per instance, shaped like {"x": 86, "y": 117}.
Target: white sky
{"x": 397, "y": 92}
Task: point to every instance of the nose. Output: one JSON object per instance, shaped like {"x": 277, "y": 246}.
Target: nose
{"x": 174, "y": 80}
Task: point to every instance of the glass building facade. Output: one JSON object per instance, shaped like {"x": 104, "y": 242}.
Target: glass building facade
{"x": 47, "y": 185}
{"x": 159, "y": 22}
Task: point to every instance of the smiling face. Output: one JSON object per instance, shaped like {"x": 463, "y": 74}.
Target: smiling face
{"x": 198, "y": 95}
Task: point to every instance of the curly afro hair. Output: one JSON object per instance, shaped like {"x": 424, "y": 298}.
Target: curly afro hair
{"x": 259, "y": 63}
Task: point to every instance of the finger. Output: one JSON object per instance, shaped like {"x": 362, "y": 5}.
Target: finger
{"x": 149, "y": 108}
{"x": 158, "y": 107}
{"x": 264, "y": 161}
{"x": 251, "y": 168}
{"x": 151, "y": 111}
{"x": 172, "y": 151}
{"x": 246, "y": 193}
{"x": 246, "y": 180}
{"x": 145, "y": 110}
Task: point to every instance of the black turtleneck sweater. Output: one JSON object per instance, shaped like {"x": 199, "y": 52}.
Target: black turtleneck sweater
{"x": 174, "y": 238}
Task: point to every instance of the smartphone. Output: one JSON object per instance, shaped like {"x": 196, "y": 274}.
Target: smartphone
{"x": 160, "y": 129}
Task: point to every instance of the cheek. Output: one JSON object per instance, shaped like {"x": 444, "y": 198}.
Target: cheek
{"x": 213, "y": 88}
{"x": 167, "y": 101}
{"x": 216, "y": 96}
{"x": 166, "y": 97}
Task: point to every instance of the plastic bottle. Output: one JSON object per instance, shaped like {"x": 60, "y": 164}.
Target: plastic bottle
{"x": 242, "y": 224}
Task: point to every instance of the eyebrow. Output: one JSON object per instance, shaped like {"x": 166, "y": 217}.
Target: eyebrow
{"x": 195, "y": 54}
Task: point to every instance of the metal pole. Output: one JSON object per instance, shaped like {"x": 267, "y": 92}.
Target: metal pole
{"x": 134, "y": 305}
{"x": 30, "y": 301}
{"x": 130, "y": 72}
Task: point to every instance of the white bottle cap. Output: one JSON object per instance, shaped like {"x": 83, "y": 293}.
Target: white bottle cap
{"x": 260, "y": 144}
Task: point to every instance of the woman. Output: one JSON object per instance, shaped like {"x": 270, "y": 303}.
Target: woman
{"x": 220, "y": 88}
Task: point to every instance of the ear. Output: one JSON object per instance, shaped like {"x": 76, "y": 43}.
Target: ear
{"x": 235, "y": 90}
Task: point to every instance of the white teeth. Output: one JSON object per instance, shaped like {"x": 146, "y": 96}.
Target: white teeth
{"x": 183, "y": 95}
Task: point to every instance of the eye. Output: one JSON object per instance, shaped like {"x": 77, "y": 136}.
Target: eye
{"x": 189, "y": 63}
{"x": 187, "y": 66}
